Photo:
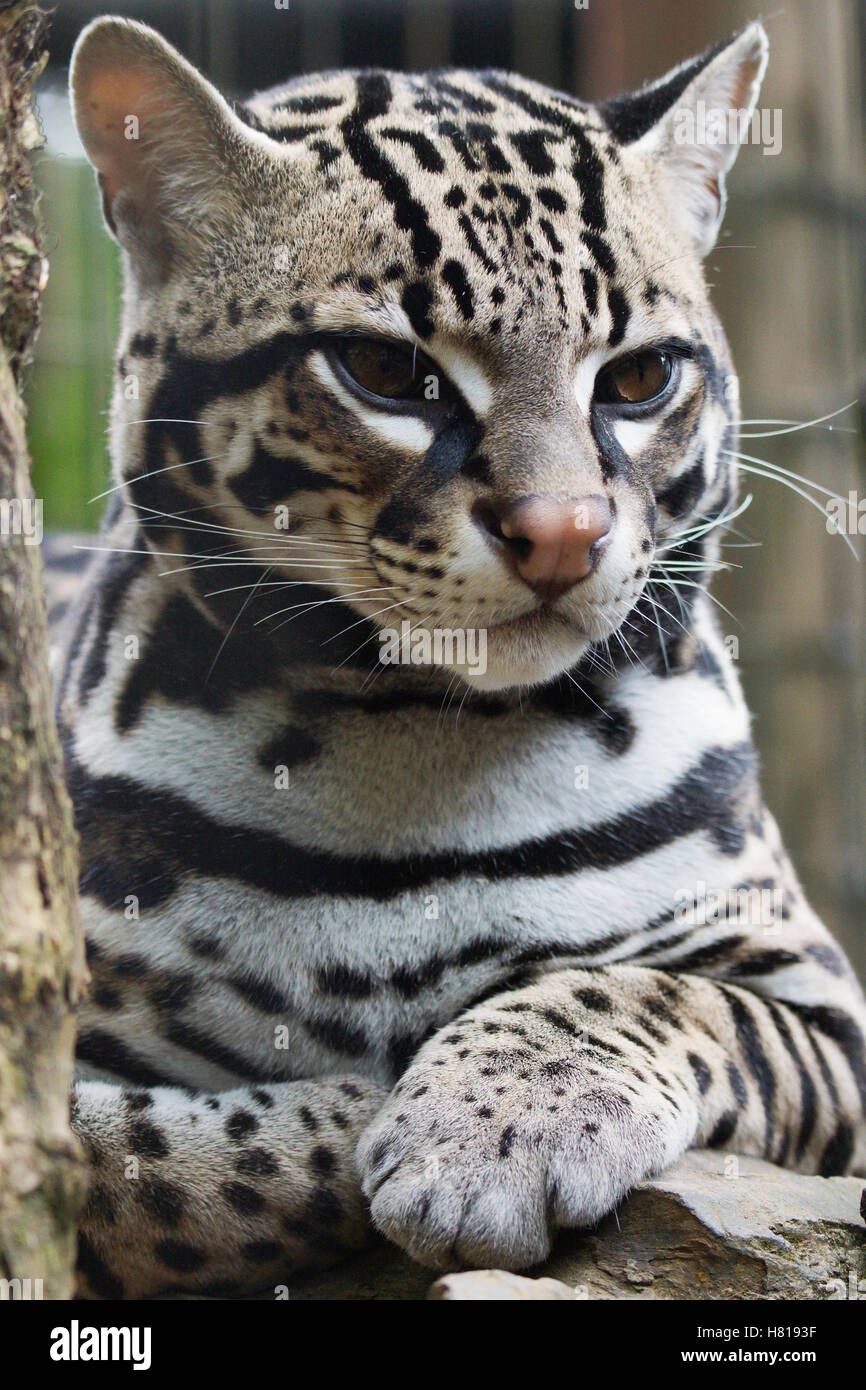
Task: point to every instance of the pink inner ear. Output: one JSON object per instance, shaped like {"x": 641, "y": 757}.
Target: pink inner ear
{"x": 112, "y": 97}
{"x": 745, "y": 77}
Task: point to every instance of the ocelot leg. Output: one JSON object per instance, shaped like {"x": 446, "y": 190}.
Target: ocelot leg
{"x": 224, "y": 1194}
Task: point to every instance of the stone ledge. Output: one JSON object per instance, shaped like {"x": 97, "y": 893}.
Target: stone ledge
{"x": 714, "y": 1226}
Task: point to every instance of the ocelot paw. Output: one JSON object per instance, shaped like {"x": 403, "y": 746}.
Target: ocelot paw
{"x": 478, "y": 1163}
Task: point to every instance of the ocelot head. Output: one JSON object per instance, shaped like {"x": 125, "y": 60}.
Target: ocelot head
{"x": 438, "y": 348}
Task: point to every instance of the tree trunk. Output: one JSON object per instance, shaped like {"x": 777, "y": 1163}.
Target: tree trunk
{"x": 41, "y": 963}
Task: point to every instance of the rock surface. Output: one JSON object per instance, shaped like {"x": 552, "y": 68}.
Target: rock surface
{"x": 487, "y": 1284}
{"x": 715, "y": 1226}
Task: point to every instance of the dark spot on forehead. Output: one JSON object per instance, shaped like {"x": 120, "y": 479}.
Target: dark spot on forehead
{"x": 600, "y": 252}
{"x": 552, "y": 199}
{"x": 531, "y": 145}
{"x": 417, "y": 302}
{"x": 455, "y": 278}
{"x": 374, "y": 99}
{"x": 619, "y": 315}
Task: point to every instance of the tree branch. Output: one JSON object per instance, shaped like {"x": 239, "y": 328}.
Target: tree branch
{"x": 41, "y": 962}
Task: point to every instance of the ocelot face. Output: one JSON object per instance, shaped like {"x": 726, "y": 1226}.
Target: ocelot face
{"x": 439, "y": 346}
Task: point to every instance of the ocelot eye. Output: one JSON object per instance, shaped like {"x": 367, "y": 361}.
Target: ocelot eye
{"x": 389, "y": 370}
{"x": 635, "y": 379}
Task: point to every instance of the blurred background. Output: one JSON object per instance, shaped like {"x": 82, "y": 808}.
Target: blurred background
{"x": 788, "y": 279}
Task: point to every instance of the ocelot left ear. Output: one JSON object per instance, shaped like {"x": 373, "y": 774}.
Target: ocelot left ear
{"x": 690, "y": 125}
{"x": 170, "y": 154}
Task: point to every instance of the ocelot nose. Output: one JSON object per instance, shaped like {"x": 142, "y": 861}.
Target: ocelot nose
{"x": 553, "y": 544}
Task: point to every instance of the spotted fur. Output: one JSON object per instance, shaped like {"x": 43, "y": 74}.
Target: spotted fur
{"x": 506, "y": 920}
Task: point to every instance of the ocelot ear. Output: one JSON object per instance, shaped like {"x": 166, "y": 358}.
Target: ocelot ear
{"x": 691, "y": 124}
{"x": 167, "y": 148}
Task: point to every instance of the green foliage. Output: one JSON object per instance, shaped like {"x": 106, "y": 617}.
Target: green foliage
{"x": 69, "y": 385}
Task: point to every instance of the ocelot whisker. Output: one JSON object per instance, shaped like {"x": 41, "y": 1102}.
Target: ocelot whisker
{"x": 186, "y": 515}
{"x": 197, "y": 563}
{"x": 378, "y": 668}
{"x": 792, "y": 426}
{"x": 680, "y": 604}
{"x": 607, "y": 714}
{"x": 243, "y": 557}
{"x": 628, "y": 648}
{"x": 447, "y": 697}
{"x": 785, "y": 472}
{"x": 690, "y": 584}
{"x": 659, "y": 628}
{"x": 367, "y": 639}
{"x": 293, "y": 540}
{"x": 334, "y": 636}
{"x": 162, "y": 420}
{"x": 593, "y": 655}
{"x": 695, "y": 532}
{"x": 278, "y": 584}
{"x": 140, "y": 477}
{"x": 217, "y": 527}
{"x": 358, "y": 592}
{"x": 238, "y": 562}
{"x": 468, "y": 691}
{"x": 229, "y": 632}
{"x": 657, "y": 603}
{"x": 801, "y": 492}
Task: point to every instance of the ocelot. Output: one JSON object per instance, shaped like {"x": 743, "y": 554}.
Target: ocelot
{"x": 460, "y": 948}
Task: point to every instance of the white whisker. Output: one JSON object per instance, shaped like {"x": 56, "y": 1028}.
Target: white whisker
{"x": 140, "y": 477}
{"x": 801, "y": 492}
{"x": 792, "y": 426}
{"x": 694, "y": 532}
{"x": 228, "y": 634}
{"x": 319, "y": 603}
{"x": 786, "y": 473}
{"x": 690, "y": 584}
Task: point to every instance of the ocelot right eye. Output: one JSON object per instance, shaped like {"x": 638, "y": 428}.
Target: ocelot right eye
{"x": 635, "y": 379}
{"x": 389, "y": 371}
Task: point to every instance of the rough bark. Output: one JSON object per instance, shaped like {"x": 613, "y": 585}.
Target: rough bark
{"x": 41, "y": 964}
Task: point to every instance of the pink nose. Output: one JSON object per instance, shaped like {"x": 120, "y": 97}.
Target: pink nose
{"x": 555, "y": 544}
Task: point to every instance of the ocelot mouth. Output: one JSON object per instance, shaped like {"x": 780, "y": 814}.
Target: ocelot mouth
{"x": 543, "y": 616}
{"x": 530, "y": 649}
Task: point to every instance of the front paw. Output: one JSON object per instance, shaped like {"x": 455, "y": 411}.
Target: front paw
{"x": 477, "y": 1163}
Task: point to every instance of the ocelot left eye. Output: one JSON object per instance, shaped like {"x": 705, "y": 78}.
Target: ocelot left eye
{"x": 380, "y": 368}
{"x": 634, "y": 380}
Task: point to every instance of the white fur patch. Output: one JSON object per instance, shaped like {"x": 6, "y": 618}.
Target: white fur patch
{"x": 467, "y": 376}
{"x": 404, "y": 430}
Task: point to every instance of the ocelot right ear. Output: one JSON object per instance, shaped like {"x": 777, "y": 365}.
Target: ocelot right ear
{"x": 170, "y": 154}
{"x": 689, "y": 125}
